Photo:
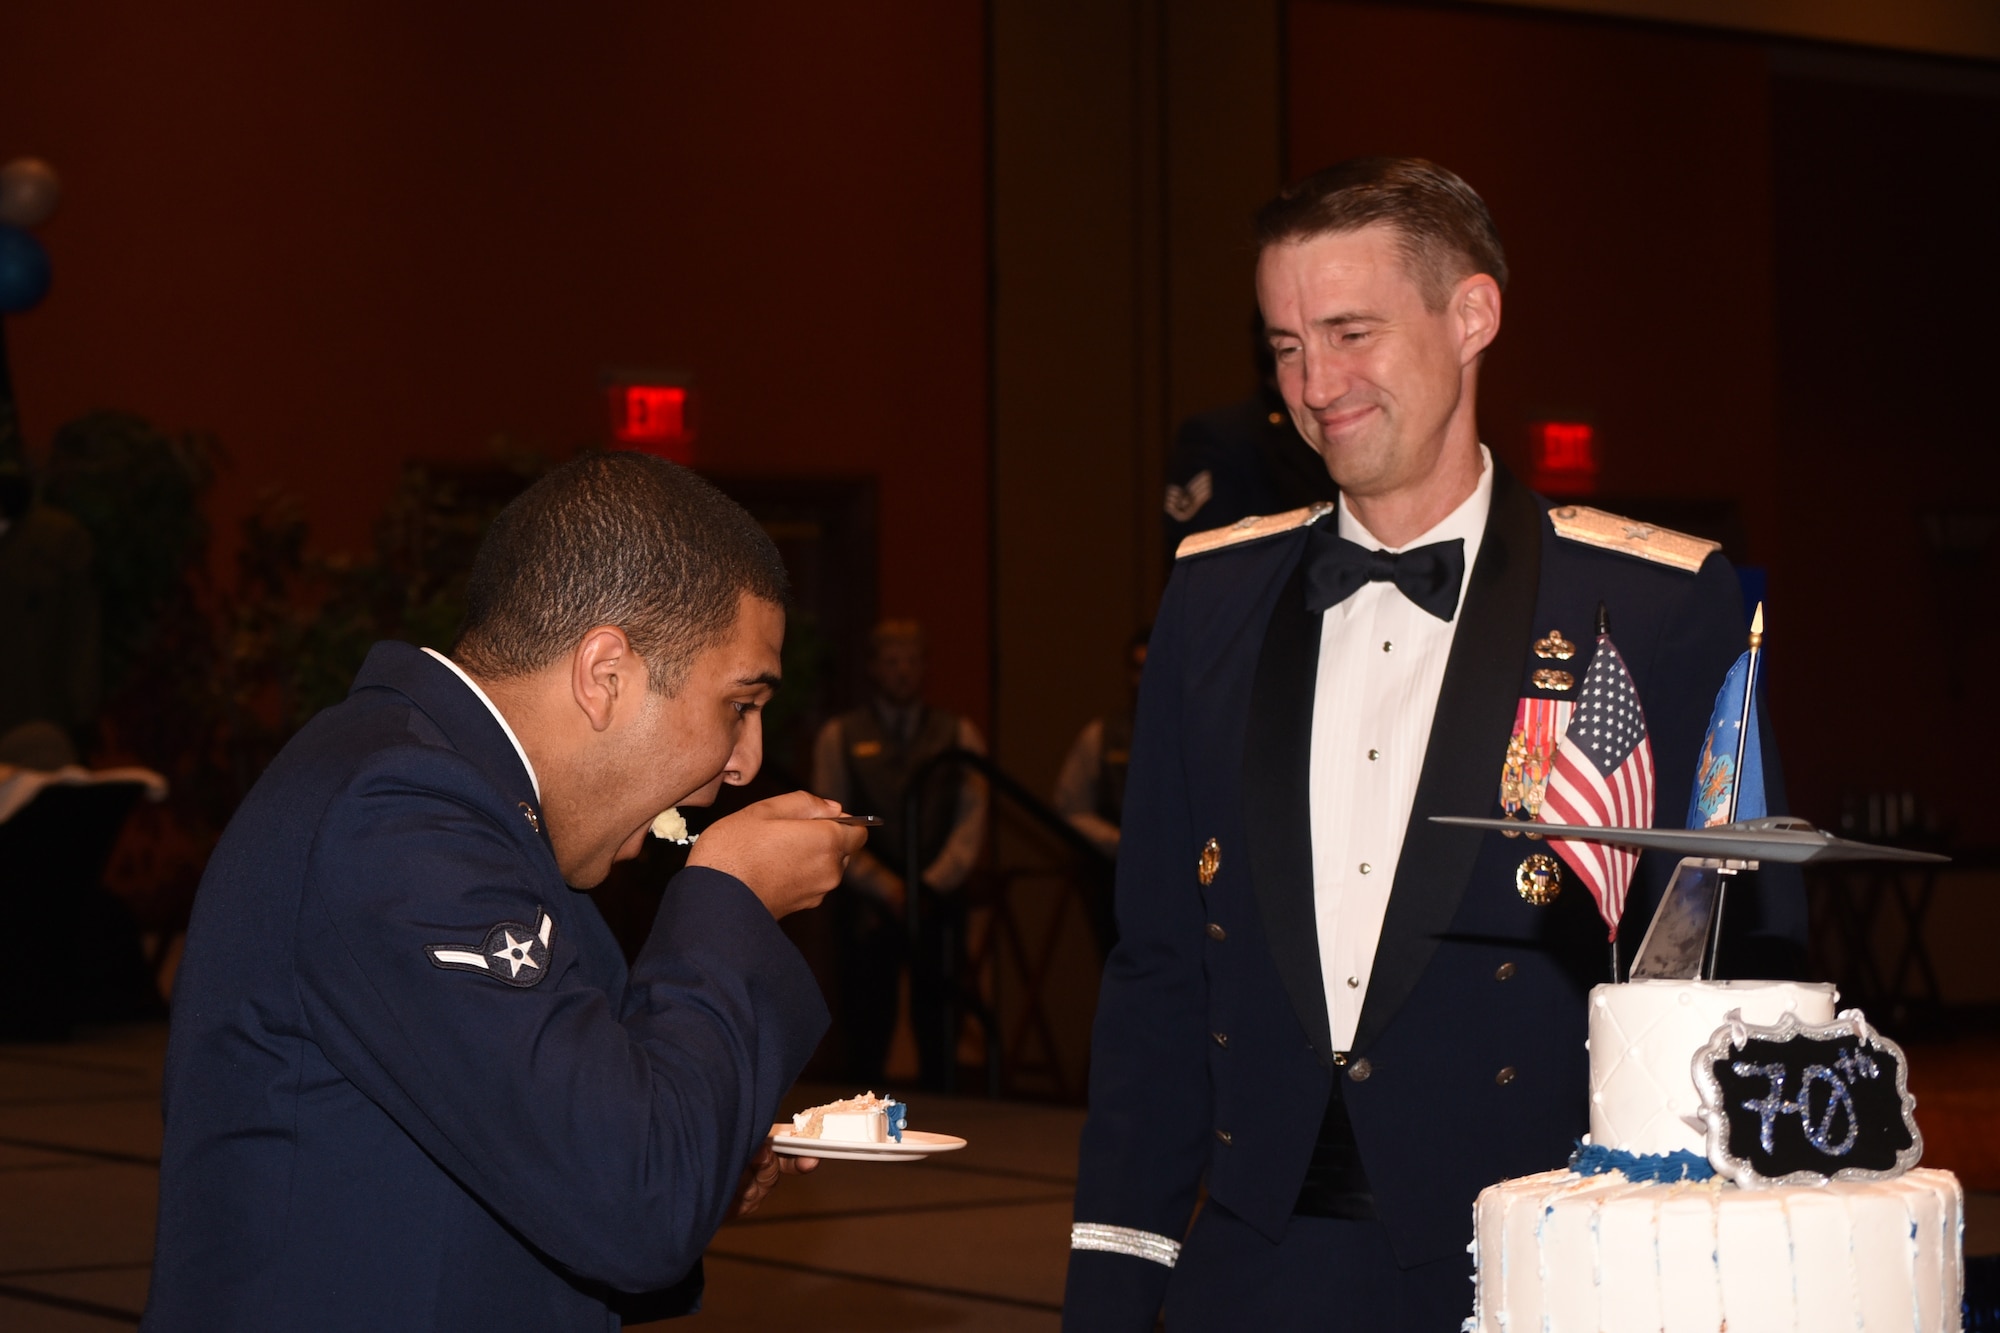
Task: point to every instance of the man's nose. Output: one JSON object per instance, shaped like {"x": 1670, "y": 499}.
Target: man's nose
{"x": 1325, "y": 380}
{"x": 748, "y": 756}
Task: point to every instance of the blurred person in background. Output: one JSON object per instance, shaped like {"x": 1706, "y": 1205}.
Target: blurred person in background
{"x": 864, "y": 759}
{"x": 1090, "y": 790}
{"x": 49, "y": 653}
{"x": 1247, "y": 458}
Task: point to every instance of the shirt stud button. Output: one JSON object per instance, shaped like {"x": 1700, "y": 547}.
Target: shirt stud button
{"x": 1354, "y": 983}
{"x": 1366, "y": 868}
{"x": 1388, "y": 647}
{"x": 1374, "y": 754}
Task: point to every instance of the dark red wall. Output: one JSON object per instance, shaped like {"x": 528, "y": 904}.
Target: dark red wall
{"x": 1887, "y": 194}
{"x": 1765, "y": 287}
{"x": 380, "y": 231}
{"x": 1629, "y": 172}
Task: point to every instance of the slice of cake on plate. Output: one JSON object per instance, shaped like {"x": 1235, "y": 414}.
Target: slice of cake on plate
{"x": 863, "y": 1119}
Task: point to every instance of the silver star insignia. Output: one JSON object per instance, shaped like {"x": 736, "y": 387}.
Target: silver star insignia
{"x": 515, "y": 954}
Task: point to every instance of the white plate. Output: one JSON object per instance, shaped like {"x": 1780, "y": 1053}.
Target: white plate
{"x": 916, "y": 1143}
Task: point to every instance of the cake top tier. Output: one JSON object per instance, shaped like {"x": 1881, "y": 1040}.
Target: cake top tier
{"x": 1643, "y": 1039}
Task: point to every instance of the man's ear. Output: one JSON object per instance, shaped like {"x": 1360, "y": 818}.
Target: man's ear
{"x": 605, "y": 673}
{"x": 1476, "y": 302}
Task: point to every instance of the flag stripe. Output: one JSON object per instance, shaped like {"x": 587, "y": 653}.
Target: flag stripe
{"x": 1602, "y": 776}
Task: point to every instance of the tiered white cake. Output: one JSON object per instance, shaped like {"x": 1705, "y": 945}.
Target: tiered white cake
{"x": 1643, "y": 1036}
{"x": 1566, "y": 1253}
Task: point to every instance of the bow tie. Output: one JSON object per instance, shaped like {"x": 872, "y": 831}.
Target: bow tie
{"x": 1428, "y": 575}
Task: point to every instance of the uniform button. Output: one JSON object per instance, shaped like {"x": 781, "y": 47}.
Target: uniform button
{"x": 1504, "y": 972}
{"x": 1221, "y": 1039}
{"x": 1360, "y": 1070}
{"x": 1224, "y": 1135}
{"x": 1275, "y": 418}
{"x": 1505, "y": 1076}
{"x": 1365, "y": 867}
{"x": 1374, "y": 754}
{"x": 1388, "y": 647}
{"x": 1216, "y": 932}
{"x": 1354, "y": 983}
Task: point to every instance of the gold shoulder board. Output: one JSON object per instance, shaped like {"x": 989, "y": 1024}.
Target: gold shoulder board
{"x": 1663, "y": 546}
{"x": 1254, "y": 528}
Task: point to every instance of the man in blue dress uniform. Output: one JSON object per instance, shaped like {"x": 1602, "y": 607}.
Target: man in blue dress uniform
{"x": 411, "y": 1083}
{"x": 1341, "y": 1019}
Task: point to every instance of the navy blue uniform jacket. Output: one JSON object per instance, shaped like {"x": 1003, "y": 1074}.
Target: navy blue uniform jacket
{"x": 1211, "y": 1057}
{"x": 357, "y": 1137}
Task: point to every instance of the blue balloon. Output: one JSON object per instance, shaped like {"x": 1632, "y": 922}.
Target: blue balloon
{"x": 24, "y": 271}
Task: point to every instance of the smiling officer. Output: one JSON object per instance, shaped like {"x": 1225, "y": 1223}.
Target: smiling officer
{"x": 1340, "y": 1018}
{"x": 411, "y": 1083}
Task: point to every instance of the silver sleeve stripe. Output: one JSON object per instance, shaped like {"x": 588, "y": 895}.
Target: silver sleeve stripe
{"x": 1124, "y": 1240}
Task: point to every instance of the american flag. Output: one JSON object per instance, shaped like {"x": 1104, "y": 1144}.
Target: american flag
{"x": 1603, "y": 776}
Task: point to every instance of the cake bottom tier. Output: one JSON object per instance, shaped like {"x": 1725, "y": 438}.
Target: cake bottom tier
{"x": 1563, "y": 1253}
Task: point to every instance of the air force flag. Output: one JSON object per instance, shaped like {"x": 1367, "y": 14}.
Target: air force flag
{"x": 1715, "y": 777}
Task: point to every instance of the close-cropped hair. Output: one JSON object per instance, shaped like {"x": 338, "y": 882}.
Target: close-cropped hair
{"x": 1442, "y": 226}
{"x": 617, "y": 539}
{"x": 896, "y": 631}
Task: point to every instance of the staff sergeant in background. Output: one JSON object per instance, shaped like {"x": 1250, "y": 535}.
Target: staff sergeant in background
{"x": 864, "y": 759}
{"x": 411, "y": 1083}
{"x": 1241, "y": 460}
{"x": 1340, "y": 1018}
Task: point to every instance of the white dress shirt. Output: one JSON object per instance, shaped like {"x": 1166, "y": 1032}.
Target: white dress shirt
{"x": 1381, "y": 666}
{"x": 473, "y": 685}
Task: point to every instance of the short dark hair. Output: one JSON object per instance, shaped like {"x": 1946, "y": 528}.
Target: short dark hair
{"x": 614, "y": 539}
{"x": 1445, "y": 231}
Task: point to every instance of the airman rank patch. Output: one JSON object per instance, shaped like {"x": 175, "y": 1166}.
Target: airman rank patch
{"x": 1662, "y": 546}
{"x": 1251, "y": 529}
{"x": 512, "y": 952}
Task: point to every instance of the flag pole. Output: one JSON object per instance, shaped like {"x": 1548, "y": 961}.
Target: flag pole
{"x": 1603, "y": 629}
{"x": 1749, "y": 708}
{"x": 1736, "y": 782}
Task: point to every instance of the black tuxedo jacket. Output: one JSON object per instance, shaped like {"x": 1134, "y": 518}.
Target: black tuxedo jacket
{"x": 1212, "y": 1058}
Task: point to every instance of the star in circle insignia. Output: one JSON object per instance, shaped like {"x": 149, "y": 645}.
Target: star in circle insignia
{"x": 514, "y": 952}
{"x": 511, "y": 952}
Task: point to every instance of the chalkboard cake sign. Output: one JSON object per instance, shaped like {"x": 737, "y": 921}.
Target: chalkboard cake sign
{"x": 1795, "y": 1104}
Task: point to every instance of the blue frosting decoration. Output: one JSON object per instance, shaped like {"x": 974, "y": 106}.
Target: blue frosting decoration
{"x": 898, "y": 1117}
{"x": 1592, "y": 1159}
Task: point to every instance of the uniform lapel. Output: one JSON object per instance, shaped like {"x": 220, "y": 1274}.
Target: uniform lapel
{"x": 1277, "y": 772}
{"x": 450, "y": 703}
{"x": 1462, "y": 764}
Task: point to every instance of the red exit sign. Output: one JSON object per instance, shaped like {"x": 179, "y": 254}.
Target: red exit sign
{"x": 653, "y": 418}
{"x": 1565, "y": 457}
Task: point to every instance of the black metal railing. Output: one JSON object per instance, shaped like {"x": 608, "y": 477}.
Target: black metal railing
{"x": 942, "y": 958}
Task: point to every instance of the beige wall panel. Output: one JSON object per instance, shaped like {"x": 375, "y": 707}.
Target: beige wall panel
{"x": 1064, "y": 215}
{"x": 1223, "y": 161}
{"x": 1131, "y": 142}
